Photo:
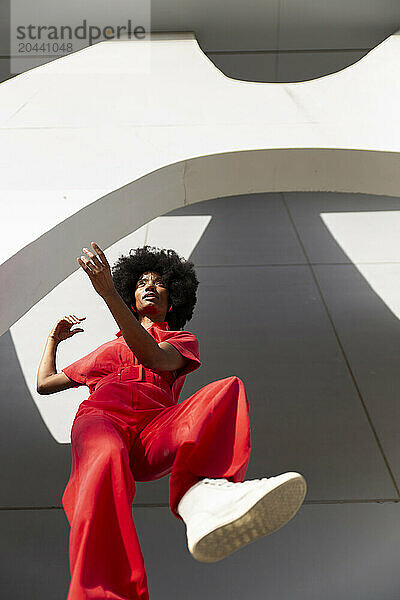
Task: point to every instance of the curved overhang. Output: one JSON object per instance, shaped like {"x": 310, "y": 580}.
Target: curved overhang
{"x": 88, "y": 154}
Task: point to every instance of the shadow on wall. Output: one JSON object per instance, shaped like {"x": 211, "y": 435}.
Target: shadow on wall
{"x": 280, "y": 305}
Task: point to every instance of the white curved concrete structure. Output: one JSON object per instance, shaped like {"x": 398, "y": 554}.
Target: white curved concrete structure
{"x": 92, "y": 149}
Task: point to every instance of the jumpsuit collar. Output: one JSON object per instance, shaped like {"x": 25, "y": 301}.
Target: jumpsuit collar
{"x": 164, "y": 325}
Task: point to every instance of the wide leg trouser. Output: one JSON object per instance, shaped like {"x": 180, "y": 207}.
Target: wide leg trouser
{"x": 207, "y": 435}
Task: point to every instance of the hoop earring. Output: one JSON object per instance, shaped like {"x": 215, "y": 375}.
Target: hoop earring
{"x": 134, "y": 310}
{"x": 170, "y": 308}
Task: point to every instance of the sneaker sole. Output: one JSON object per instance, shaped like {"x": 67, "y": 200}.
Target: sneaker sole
{"x": 267, "y": 515}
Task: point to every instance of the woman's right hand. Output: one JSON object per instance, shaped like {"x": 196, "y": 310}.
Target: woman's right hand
{"x": 62, "y": 329}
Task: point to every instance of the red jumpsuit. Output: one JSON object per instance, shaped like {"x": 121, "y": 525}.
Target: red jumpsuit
{"x": 129, "y": 429}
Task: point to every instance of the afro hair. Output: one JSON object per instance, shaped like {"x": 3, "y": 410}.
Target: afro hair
{"x": 177, "y": 273}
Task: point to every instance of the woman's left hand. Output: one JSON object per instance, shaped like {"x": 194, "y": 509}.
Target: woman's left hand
{"x": 98, "y": 270}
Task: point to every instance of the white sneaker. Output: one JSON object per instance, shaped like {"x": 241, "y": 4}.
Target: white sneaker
{"x": 222, "y": 516}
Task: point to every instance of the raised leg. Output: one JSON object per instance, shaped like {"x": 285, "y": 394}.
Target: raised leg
{"x": 105, "y": 556}
{"x": 207, "y": 438}
{"x": 207, "y": 435}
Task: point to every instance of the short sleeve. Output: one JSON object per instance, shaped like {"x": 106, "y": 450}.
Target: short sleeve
{"x": 187, "y": 344}
{"x": 77, "y": 372}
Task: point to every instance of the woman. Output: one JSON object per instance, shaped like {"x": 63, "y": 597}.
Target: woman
{"x": 131, "y": 428}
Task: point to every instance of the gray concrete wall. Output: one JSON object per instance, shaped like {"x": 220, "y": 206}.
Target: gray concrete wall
{"x": 323, "y": 388}
{"x": 268, "y": 41}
